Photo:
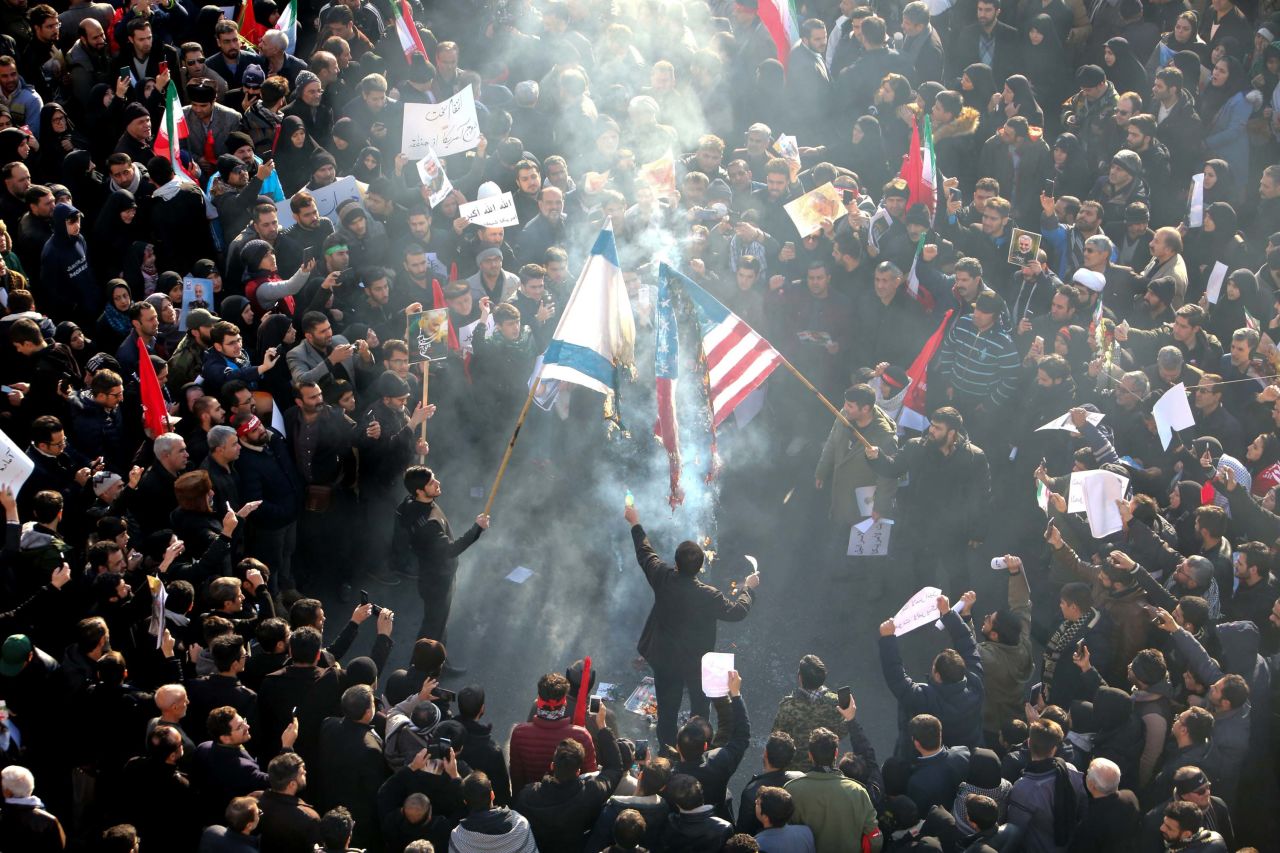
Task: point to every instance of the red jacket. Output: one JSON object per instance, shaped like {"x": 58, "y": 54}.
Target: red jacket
{"x": 534, "y": 743}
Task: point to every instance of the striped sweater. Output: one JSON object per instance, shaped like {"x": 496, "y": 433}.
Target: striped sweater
{"x": 982, "y": 367}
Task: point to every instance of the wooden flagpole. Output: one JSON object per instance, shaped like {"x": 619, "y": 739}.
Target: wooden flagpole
{"x": 511, "y": 445}
{"x": 839, "y": 414}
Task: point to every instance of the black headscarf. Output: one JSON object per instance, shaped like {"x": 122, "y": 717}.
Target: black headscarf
{"x": 111, "y": 237}
{"x": 87, "y": 185}
{"x": 348, "y": 131}
{"x": 363, "y": 172}
{"x": 1127, "y": 75}
{"x": 1213, "y": 98}
{"x": 1025, "y": 99}
{"x": 232, "y": 310}
{"x": 293, "y": 164}
{"x": 11, "y": 139}
{"x": 1188, "y": 62}
{"x": 1044, "y": 63}
{"x": 984, "y": 86}
{"x": 52, "y": 152}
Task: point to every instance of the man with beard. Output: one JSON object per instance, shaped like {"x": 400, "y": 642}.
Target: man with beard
{"x": 188, "y": 359}
{"x": 388, "y": 440}
{"x": 321, "y": 437}
{"x": 309, "y": 105}
{"x": 945, "y": 507}
{"x": 90, "y": 61}
{"x": 545, "y": 230}
{"x": 318, "y": 357}
{"x": 288, "y": 822}
{"x": 267, "y": 474}
{"x": 435, "y": 550}
{"x": 230, "y": 62}
{"x": 770, "y": 201}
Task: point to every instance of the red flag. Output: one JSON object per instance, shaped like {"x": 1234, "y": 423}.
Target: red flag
{"x": 155, "y": 416}
{"x": 1207, "y": 493}
{"x": 250, "y": 30}
{"x": 922, "y": 192}
{"x": 914, "y": 412}
{"x": 584, "y": 687}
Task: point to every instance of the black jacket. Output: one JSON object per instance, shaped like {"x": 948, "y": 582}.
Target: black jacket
{"x": 747, "y": 821}
{"x": 214, "y": 691}
{"x": 715, "y": 767}
{"x": 682, "y": 623}
{"x": 315, "y": 691}
{"x": 948, "y": 494}
{"x": 562, "y": 813}
{"x": 351, "y": 768}
{"x": 486, "y": 756}
{"x": 1110, "y": 825}
{"x": 270, "y": 476}
{"x": 431, "y": 539}
{"x": 965, "y": 51}
{"x": 653, "y": 808}
{"x": 698, "y": 831}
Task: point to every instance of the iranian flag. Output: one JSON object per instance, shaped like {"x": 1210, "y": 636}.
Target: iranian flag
{"x": 410, "y": 42}
{"x": 173, "y": 129}
{"x": 287, "y": 23}
{"x": 779, "y": 18}
{"x": 922, "y": 295}
{"x": 919, "y": 169}
{"x": 915, "y": 414}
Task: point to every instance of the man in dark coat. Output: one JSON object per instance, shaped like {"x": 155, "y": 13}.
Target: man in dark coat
{"x": 431, "y": 541}
{"x": 949, "y": 493}
{"x": 482, "y": 753}
{"x": 954, "y": 692}
{"x": 178, "y": 219}
{"x": 351, "y": 766}
{"x": 713, "y": 768}
{"x": 1113, "y": 818}
{"x": 223, "y": 767}
{"x": 808, "y": 84}
{"x": 314, "y": 691}
{"x": 267, "y": 474}
{"x": 989, "y": 41}
{"x": 562, "y": 807}
{"x": 681, "y": 626}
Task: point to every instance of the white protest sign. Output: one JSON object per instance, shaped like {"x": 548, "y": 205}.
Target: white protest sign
{"x": 1213, "y": 289}
{"x": 920, "y": 610}
{"x": 866, "y": 497}
{"x": 15, "y": 466}
{"x": 870, "y": 538}
{"x": 447, "y": 128}
{"x": 715, "y": 674}
{"x": 327, "y": 200}
{"x": 1096, "y": 493}
{"x": 1172, "y": 412}
{"x": 431, "y": 173}
{"x": 1064, "y": 422}
{"x": 493, "y": 212}
{"x": 1195, "y": 214}
{"x": 194, "y": 290}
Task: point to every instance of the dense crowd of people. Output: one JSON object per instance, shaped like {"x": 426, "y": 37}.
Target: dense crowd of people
{"x": 1103, "y": 230}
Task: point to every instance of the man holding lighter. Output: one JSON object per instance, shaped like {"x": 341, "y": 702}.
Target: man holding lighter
{"x": 681, "y": 626}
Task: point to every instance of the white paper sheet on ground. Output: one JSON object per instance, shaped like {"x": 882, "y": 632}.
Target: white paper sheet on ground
{"x": 870, "y": 538}
{"x": 1064, "y": 422}
{"x": 15, "y": 466}
{"x": 519, "y": 574}
{"x": 755, "y": 564}
{"x": 1172, "y": 412}
{"x": 1217, "y": 276}
{"x": 715, "y": 674}
{"x": 866, "y": 496}
{"x": 1095, "y": 493}
{"x": 920, "y": 609}
{"x": 1195, "y": 213}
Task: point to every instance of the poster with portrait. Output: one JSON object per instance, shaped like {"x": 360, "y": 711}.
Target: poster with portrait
{"x": 428, "y": 334}
{"x": 431, "y": 173}
{"x": 808, "y": 211}
{"x": 1024, "y": 247}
